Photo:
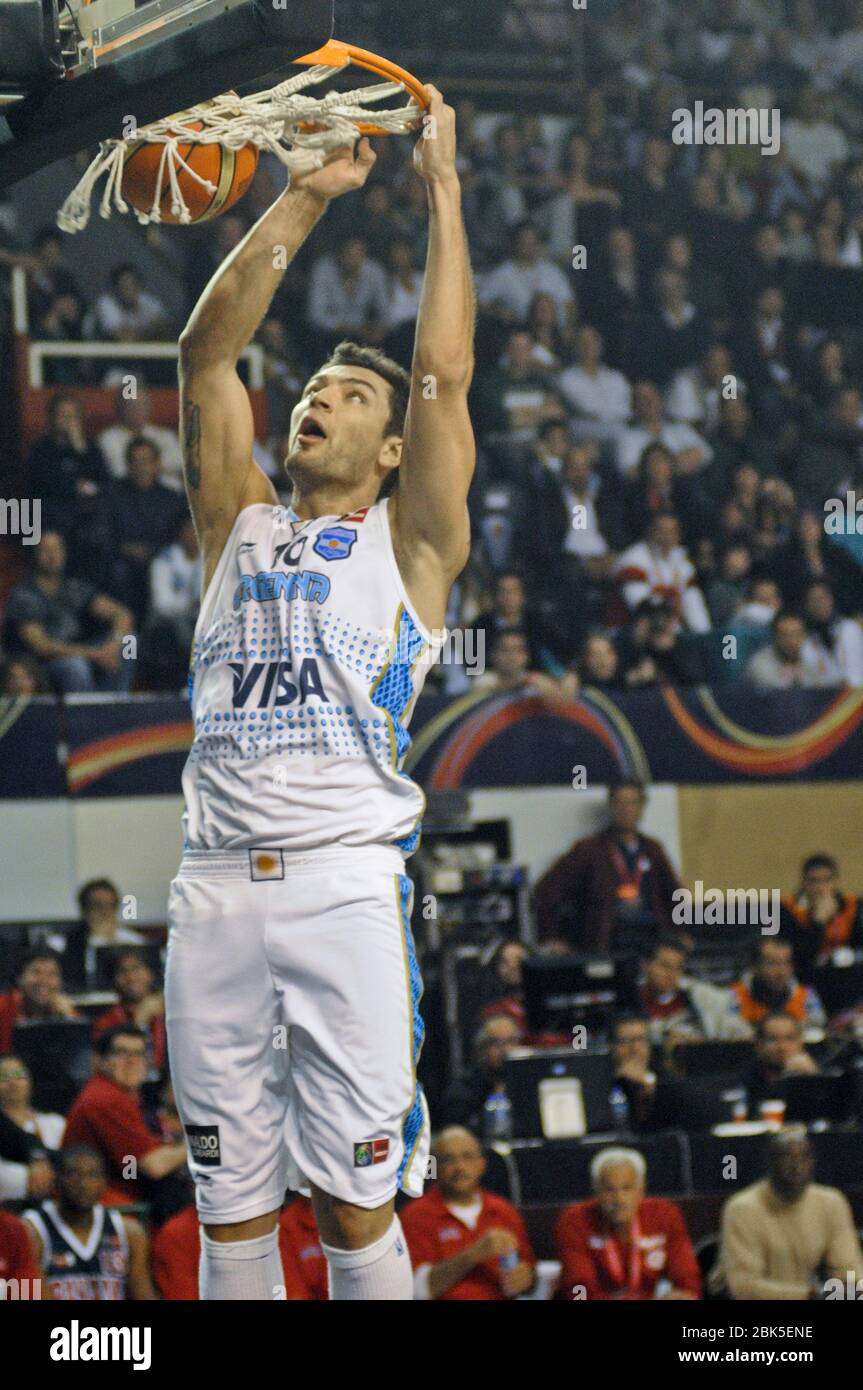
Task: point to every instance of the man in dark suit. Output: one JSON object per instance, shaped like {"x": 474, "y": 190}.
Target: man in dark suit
{"x": 610, "y": 891}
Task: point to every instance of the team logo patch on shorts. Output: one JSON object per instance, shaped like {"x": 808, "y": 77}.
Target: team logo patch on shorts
{"x": 371, "y": 1151}
{"x": 204, "y": 1145}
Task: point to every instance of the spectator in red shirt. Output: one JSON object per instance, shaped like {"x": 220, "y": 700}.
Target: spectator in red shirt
{"x": 108, "y": 1115}
{"x": 177, "y": 1252}
{"x": 39, "y": 994}
{"x": 466, "y": 1243}
{"x": 17, "y": 1260}
{"x": 622, "y": 1244}
{"x": 610, "y": 890}
{"x": 141, "y": 1004}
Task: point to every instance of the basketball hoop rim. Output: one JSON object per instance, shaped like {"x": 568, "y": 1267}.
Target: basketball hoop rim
{"x": 337, "y": 54}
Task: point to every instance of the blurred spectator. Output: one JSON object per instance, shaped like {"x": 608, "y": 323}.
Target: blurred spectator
{"x": 46, "y": 617}
{"x": 134, "y": 422}
{"x": 175, "y": 590}
{"x": 404, "y": 287}
{"x": 126, "y": 312}
{"x": 771, "y": 987}
{"x": 673, "y": 334}
{"x": 659, "y": 567}
{"x": 784, "y": 1236}
{"x": 787, "y": 661}
{"x": 509, "y": 670}
{"x": 815, "y": 146}
{"x": 598, "y": 664}
{"x": 654, "y": 652}
{"x": 779, "y": 1052}
{"x": 145, "y": 516}
{"x": 65, "y": 469}
{"x": 177, "y": 1252}
{"x": 514, "y": 398}
{"x": 348, "y": 295}
{"x": 513, "y": 612}
{"x": 49, "y": 278}
{"x": 17, "y": 1261}
{"x": 466, "y": 1097}
{"x": 509, "y": 289}
{"x": 17, "y": 1178}
{"x": 695, "y": 394}
{"x": 651, "y": 489}
{"x": 635, "y": 1071}
{"x": 729, "y": 590}
{"x": 836, "y": 643}
{"x": 38, "y": 994}
{"x": 86, "y": 1252}
{"x": 21, "y": 676}
{"x": 622, "y": 1244}
{"x": 611, "y": 888}
{"x": 830, "y": 459}
{"x": 599, "y": 395}
{"x": 820, "y": 918}
{"x": 736, "y": 440}
{"x": 507, "y": 983}
{"x": 809, "y": 556}
{"x": 107, "y": 1114}
{"x": 140, "y": 1003}
{"x": 680, "y": 1008}
{"x": 690, "y": 452}
{"x": 466, "y": 1243}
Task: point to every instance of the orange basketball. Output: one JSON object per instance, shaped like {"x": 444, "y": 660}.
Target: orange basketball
{"x": 230, "y": 170}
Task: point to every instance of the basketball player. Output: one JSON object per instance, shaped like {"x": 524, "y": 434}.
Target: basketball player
{"x": 87, "y": 1252}
{"x": 292, "y": 986}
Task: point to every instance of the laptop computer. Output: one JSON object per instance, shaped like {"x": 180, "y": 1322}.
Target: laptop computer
{"x": 558, "y": 1093}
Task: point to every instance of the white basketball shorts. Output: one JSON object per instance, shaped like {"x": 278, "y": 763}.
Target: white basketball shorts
{"x": 292, "y": 1003}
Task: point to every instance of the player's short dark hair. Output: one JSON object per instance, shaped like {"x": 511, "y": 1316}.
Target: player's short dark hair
{"x": 105, "y": 1041}
{"x": 349, "y": 354}
{"x": 67, "y": 1155}
{"x": 820, "y": 861}
{"x": 87, "y": 888}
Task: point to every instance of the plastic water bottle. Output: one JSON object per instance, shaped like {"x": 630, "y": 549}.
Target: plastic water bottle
{"x": 619, "y": 1109}
{"x": 497, "y": 1118}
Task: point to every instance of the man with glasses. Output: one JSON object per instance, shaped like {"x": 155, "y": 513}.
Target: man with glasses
{"x": 108, "y": 1116}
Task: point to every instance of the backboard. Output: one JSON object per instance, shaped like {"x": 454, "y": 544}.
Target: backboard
{"x": 73, "y": 78}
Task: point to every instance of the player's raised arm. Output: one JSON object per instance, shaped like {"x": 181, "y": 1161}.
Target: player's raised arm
{"x": 432, "y": 532}
{"x": 216, "y": 414}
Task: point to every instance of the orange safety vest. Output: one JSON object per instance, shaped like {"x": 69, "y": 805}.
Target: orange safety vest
{"x": 752, "y": 1011}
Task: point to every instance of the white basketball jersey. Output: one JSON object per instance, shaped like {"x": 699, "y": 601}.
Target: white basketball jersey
{"x": 306, "y": 663}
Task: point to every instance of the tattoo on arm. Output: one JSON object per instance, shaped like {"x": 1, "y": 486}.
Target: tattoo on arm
{"x": 192, "y": 444}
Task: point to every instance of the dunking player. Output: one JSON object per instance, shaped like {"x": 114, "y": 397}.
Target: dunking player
{"x": 292, "y": 984}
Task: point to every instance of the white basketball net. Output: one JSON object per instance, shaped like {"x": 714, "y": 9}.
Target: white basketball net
{"x": 272, "y": 120}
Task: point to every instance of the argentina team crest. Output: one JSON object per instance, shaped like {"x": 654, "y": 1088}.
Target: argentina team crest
{"x": 335, "y": 542}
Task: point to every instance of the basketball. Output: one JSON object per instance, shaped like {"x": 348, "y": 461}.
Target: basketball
{"x": 230, "y": 171}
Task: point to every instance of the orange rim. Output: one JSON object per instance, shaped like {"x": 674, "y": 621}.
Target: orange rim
{"x": 336, "y": 54}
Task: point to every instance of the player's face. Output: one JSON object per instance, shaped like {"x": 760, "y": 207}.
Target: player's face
{"x": 619, "y": 1193}
{"x": 338, "y": 427}
{"x": 80, "y": 1183}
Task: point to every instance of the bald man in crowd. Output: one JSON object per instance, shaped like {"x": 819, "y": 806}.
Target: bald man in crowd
{"x": 466, "y": 1243}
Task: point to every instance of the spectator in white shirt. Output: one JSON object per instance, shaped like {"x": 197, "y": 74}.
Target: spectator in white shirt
{"x": 348, "y": 294}
{"x": 599, "y": 395}
{"x": 696, "y": 393}
{"x": 508, "y": 290}
{"x": 788, "y": 662}
{"x": 175, "y": 591}
{"x": 16, "y": 1089}
{"x": 660, "y": 568}
{"x": 836, "y": 642}
{"x": 127, "y": 313}
{"x": 814, "y": 146}
{"x": 691, "y": 452}
{"x": 134, "y": 421}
